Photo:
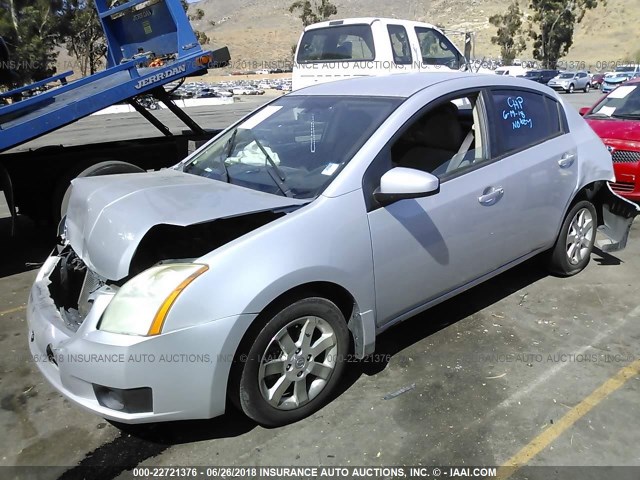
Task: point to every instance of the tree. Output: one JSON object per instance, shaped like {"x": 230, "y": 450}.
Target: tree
{"x": 555, "y": 21}
{"x": 83, "y": 35}
{"x": 507, "y": 36}
{"x": 31, "y": 30}
{"x": 197, "y": 14}
{"x": 313, "y": 13}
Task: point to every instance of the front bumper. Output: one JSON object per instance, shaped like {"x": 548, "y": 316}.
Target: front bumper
{"x": 627, "y": 182}
{"x": 187, "y": 370}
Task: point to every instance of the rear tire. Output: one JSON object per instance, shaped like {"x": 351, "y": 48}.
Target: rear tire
{"x": 292, "y": 367}
{"x": 586, "y": 88}
{"x": 572, "y": 251}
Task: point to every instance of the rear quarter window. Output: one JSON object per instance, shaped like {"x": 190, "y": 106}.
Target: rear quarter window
{"x": 521, "y": 119}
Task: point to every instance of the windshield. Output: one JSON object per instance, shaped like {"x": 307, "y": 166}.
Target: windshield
{"x": 567, "y": 75}
{"x": 629, "y": 68}
{"x": 532, "y": 74}
{"x": 623, "y": 102}
{"x": 294, "y": 146}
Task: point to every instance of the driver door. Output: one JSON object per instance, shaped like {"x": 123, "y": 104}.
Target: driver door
{"x": 424, "y": 248}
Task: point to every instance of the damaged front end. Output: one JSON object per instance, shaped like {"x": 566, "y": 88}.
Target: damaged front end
{"x": 73, "y": 287}
{"x": 72, "y": 332}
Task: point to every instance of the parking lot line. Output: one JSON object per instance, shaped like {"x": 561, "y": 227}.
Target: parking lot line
{"x": 13, "y": 310}
{"x": 543, "y": 440}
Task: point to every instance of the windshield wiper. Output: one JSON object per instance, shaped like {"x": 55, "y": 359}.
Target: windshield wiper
{"x": 633, "y": 116}
{"x": 276, "y": 174}
{"x": 598, "y": 114}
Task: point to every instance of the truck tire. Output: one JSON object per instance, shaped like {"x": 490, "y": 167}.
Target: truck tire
{"x": 109, "y": 167}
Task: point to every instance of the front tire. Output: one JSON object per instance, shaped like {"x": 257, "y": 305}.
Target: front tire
{"x": 572, "y": 251}
{"x": 571, "y": 88}
{"x": 293, "y": 365}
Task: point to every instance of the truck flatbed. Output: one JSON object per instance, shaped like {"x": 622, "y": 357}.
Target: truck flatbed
{"x": 150, "y": 43}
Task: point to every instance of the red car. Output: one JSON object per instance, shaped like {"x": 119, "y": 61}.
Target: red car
{"x": 616, "y": 119}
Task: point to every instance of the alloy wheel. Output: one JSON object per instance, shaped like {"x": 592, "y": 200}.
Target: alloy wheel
{"x": 298, "y": 362}
{"x": 581, "y": 231}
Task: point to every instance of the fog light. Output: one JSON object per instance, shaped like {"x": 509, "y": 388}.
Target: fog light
{"x": 132, "y": 400}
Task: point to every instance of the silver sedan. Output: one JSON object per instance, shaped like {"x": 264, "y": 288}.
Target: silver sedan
{"x": 257, "y": 267}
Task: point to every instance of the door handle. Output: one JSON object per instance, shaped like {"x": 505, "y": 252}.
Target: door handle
{"x": 491, "y": 195}
{"x": 567, "y": 160}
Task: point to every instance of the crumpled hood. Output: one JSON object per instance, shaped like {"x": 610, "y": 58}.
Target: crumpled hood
{"x": 108, "y": 216}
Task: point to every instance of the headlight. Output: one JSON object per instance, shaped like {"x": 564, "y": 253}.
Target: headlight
{"x": 142, "y": 304}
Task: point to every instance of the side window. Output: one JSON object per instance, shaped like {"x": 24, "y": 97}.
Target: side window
{"x": 399, "y": 44}
{"x": 520, "y": 119}
{"x": 436, "y": 49}
{"x": 444, "y": 140}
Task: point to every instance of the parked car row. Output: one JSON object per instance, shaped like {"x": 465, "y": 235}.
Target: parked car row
{"x": 579, "y": 80}
{"x": 256, "y": 87}
{"x": 226, "y": 89}
{"x": 197, "y": 90}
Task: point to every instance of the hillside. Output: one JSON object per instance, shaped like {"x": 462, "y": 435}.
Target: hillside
{"x": 258, "y": 31}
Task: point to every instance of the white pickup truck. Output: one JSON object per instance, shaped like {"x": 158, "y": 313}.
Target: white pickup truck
{"x": 356, "y": 47}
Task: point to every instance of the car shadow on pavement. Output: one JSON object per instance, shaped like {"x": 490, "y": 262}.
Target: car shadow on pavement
{"x": 604, "y": 258}
{"x": 433, "y": 320}
{"x": 137, "y": 443}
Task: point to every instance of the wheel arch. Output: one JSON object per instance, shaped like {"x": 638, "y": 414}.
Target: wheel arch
{"x": 588, "y": 192}
{"x": 615, "y": 214}
{"x": 331, "y": 291}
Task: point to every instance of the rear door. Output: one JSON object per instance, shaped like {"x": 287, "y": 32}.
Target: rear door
{"x": 530, "y": 136}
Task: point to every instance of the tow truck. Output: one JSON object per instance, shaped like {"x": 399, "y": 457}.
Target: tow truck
{"x": 150, "y": 43}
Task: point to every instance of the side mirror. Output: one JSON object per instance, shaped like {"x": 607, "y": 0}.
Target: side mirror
{"x": 401, "y": 183}
{"x": 584, "y": 110}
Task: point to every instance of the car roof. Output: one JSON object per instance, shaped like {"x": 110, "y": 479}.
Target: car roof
{"x": 404, "y": 85}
